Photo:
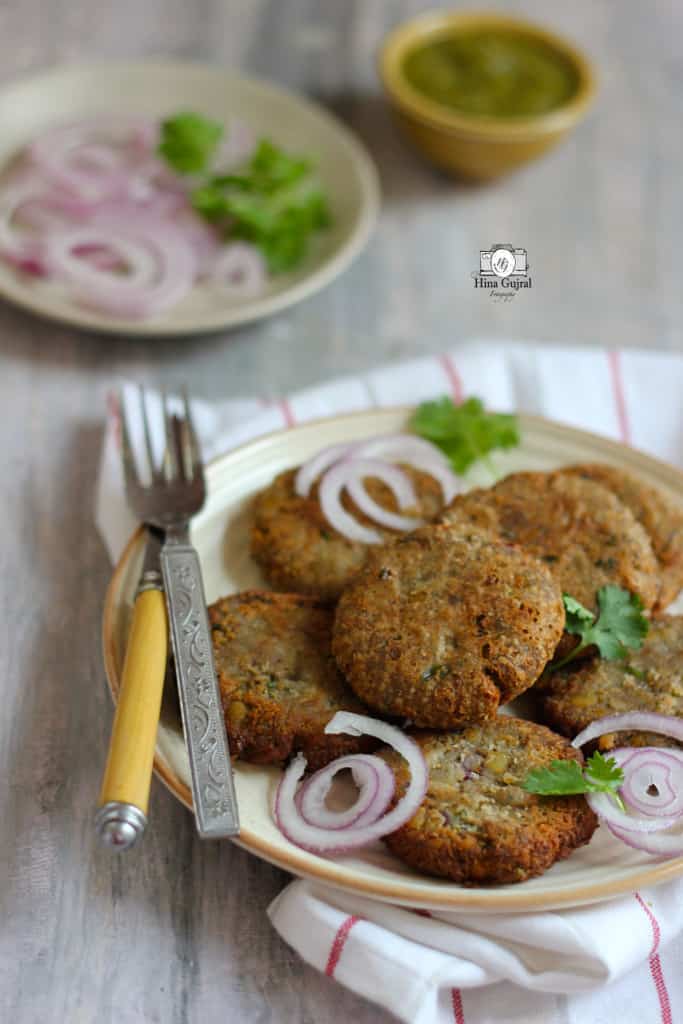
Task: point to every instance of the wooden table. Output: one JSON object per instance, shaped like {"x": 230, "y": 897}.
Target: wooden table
{"x": 176, "y": 931}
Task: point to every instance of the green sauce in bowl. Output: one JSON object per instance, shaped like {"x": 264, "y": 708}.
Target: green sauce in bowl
{"x": 492, "y": 73}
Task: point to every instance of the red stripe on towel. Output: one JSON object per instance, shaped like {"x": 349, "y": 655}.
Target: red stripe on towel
{"x": 454, "y": 378}
{"x": 456, "y": 1000}
{"x": 287, "y": 414}
{"x": 339, "y": 943}
{"x": 614, "y": 358}
{"x": 656, "y": 964}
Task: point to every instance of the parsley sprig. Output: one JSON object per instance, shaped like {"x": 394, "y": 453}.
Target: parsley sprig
{"x": 619, "y": 627}
{"x": 465, "y": 432}
{"x": 563, "y": 778}
{"x": 272, "y": 200}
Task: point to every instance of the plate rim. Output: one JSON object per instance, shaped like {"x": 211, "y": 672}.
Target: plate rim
{"x": 340, "y": 259}
{"x": 479, "y": 899}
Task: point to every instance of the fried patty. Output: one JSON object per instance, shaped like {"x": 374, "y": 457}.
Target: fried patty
{"x": 586, "y": 536}
{"x": 661, "y": 518}
{"x": 477, "y": 825}
{"x": 299, "y": 550}
{"x": 445, "y": 624}
{"x": 651, "y": 680}
{"x": 278, "y": 680}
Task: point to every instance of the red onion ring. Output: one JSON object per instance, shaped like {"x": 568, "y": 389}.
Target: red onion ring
{"x": 339, "y": 464}
{"x": 644, "y": 768}
{"x": 418, "y": 453}
{"x": 372, "y": 775}
{"x": 324, "y": 840}
{"x": 655, "y": 843}
{"x": 56, "y": 153}
{"x": 240, "y": 270}
{"x": 406, "y": 497}
{"x": 147, "y": 249}
{"x": 341, "y": 476}
{"x": 309, "y": 472}
{"x": 643, "y": 721}
{"x": 648, "y": 767}
{"x": 604, "y": 806}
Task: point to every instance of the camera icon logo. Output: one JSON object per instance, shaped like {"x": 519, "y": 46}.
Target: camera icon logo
{"x": 503, "y": 261}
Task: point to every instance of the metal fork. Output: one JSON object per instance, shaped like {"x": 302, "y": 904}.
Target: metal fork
{"x": 173, "y": 493}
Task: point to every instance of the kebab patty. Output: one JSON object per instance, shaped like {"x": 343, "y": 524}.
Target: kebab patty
{"x": 476, "y": 824}
{"x": 299, "y": 550}
{"x": 445, "y": 624}
{"x": 661, "y": 518}
{"x": 586, "y": 536}
{"x": 651, "y": 680}
{"x": 278, "y": 680}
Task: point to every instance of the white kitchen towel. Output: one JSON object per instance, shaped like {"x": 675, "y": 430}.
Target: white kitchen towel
{"x": 619, "y": 961}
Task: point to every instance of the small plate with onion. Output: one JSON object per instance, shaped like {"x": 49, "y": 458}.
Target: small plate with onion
{"x": 258, "y": 199}
{"x": 598, "y": 871}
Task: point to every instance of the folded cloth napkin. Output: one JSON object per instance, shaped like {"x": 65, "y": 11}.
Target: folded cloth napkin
{"x": 619, "y": 960}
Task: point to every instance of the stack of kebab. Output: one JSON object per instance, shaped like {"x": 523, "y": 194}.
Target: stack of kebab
{"x": 434, "y": 629}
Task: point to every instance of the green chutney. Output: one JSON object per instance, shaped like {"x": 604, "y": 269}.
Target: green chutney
{"x": 490, "y": 73}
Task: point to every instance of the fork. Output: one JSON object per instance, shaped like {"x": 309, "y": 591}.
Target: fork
{"x": 165, "y": 501}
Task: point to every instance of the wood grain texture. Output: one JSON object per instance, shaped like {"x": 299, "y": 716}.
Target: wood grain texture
{"x": 176, "y": 931}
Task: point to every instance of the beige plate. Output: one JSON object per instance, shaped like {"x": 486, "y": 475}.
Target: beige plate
{"x": 159, "y": 89}
{"x": 599, "y": 871}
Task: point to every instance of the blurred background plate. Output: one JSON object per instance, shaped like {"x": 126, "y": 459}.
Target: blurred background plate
{"x": 159, "y": 89}
{"x": 601, "y": 870}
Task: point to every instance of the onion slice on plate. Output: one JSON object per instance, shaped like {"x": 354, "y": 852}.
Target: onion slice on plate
{"x": 652, "y": 788}
{"x": 345, "y": 466}
{"x": 643, "y": 721}
{"x": 656, "y": 843}
{"x": 374, "y": 779}
{"x": 418, "y": 453}
{"x": 160, "y": 262}
{"x": 309, "y": 472}
{"x": 349, "y": 474}
{"x": 653, "y": 780}
{"x": 332, "y": 484}
{"x": 240, "y": 270}
{"x": 340, "y": 840}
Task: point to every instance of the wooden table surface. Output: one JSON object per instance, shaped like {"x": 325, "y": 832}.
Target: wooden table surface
{"x": 176, "y": 931}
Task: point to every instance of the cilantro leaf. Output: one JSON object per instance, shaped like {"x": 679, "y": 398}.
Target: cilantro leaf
{"x": 576, "y": 615}
{"x": 564, "y": 778}
{"x": 620, "y": 626}
{"x": 559, "y": 778}
{"x": 602, "y": 774}
{"x": 465, "y": 432}
{"x": 188, "y": 141}
{"x": 272, "y": 202}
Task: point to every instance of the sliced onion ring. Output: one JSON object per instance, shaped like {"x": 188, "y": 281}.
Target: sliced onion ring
{"x": 161, "y": 261}
{"x": 415, "y": 452}
{"x": 372, "y": 775}
{"x": 652, "y": 788}
{"x": 329, "y": 495}
{"x": 648, "y": 767}
{"x": 643, "y": 721}
{"x": 324, "y": 840}
{"x": 604, "y": 806}
{"x": 240, "y": 270}
{"x": 309, "y": 472}
{"x": 658, "y": 844}
{"x": 402, "y": 489}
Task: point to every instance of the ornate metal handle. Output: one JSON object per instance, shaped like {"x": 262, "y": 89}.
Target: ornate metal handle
{"x": 213, "y": 790}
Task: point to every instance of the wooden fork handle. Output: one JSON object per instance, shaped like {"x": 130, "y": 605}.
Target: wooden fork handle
{"x": 124, "y": 796}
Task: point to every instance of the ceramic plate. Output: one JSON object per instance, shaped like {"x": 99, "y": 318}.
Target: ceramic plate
{"x": 599, "y": 871}
{"x": 159, "y": 89}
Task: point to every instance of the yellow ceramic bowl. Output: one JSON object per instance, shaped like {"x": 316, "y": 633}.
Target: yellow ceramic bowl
{"x": 469, "y": 146}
